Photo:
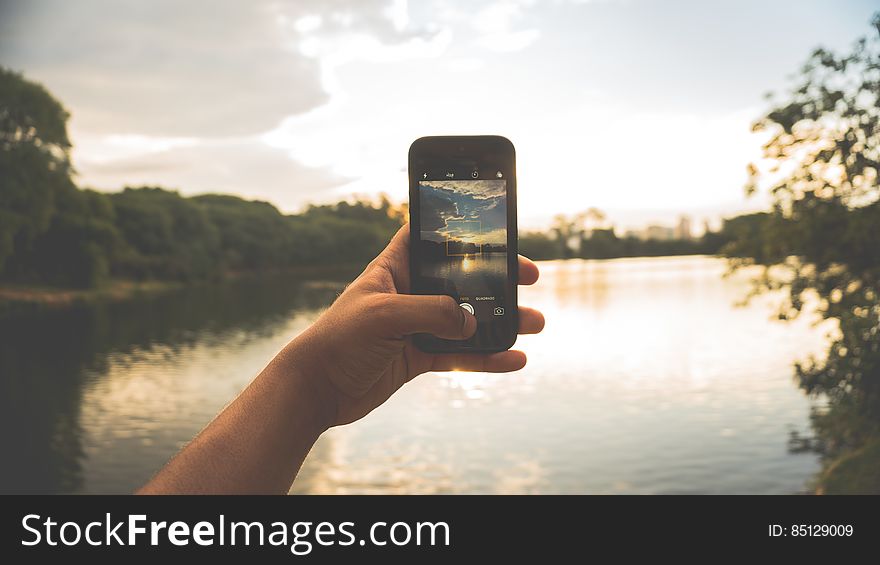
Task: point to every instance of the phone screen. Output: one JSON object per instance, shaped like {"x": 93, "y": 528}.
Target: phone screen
{"x": 462, "y": 248}
{"x": 464, "y": 242}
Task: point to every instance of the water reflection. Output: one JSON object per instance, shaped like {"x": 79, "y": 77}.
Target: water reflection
{"x": 647, "y": 379}
{"x": 75, "y": 382}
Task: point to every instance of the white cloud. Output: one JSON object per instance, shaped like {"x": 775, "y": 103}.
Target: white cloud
{"x": 398, "y": 13}
{"x": 497, "y": 17}
{"x": 198, "y": 68}
{"x": 178, "y": 93}
{"x": 163, "y": 68}
{"x": 311, "y": 100}
{"x": 508, "y": 42}
{"x": 105, "y": 149}
{"x": 464, "y": 64}
{"x": 306, "y": 24}
{"x": 495, "y": 24}
{"x": 244, "y": 167}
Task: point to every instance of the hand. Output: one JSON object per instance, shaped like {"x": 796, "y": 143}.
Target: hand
{"x": 359, "y": 352}
{"x": 356, "y": 355}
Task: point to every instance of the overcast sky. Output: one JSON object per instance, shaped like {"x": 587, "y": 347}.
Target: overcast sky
{"x": 638, "y": 107}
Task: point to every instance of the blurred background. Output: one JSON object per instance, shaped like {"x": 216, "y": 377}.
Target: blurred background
{"x": 184, "y": 186}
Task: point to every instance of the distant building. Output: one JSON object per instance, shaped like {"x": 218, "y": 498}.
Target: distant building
{"x": 683, "y": 229}
{"x": 662, "y": 233}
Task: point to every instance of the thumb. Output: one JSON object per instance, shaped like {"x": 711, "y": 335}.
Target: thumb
{"x": 438, "y": 315}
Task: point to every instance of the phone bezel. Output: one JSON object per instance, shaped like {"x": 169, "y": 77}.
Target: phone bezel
{"x": 450, "y": 148}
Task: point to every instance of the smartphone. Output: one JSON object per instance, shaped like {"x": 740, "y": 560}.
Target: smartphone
{"x": 463, "y": 238}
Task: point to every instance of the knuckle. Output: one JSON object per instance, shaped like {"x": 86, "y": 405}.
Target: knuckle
{"x": 380, "y": 306}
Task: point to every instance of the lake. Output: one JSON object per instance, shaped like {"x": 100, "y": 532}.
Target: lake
{"x": 483, "y": 274}
{"x": 647, "y": 379}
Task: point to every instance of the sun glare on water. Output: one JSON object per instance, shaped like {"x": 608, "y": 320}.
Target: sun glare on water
{"x": 467, "y": 263}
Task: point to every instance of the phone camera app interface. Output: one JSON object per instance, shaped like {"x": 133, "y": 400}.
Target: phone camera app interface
{"x": 464, "y": 242}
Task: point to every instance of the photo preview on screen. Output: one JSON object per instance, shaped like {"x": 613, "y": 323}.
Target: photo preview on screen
{"x": 464, "y": 242}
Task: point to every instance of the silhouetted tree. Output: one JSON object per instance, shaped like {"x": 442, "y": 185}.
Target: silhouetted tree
{"x": 823, "y": 232}
{"x": 539, "y": 246}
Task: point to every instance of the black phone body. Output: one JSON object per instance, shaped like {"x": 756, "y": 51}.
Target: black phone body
{"x": 463, "y": 235}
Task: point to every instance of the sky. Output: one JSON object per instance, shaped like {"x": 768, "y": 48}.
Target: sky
{"x": 472, "y": 211}
{"x": 641, "y": 108}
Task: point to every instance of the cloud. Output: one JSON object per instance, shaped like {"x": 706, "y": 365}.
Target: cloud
{"x": 434, "y": 210}
{"x": 179, "y": 93}
{"x": 246, "y": 168}
{"x": 620, "y": 105}
{"x": 478, "y": 189}
{"x": 196, "y": 68}
{"x": 495, "y": 24}
{"x": 510, "y": 41}
{"x": 468, "y": 210}
{"x": 163, "y": 68}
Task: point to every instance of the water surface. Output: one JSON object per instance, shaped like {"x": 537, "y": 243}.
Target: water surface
{"x": 647, "y": 379}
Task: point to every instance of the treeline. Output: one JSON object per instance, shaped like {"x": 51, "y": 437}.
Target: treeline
{"x": 149, "y": 233}
{"x": 54, "y": 233}
{"x": 605, "y": 244}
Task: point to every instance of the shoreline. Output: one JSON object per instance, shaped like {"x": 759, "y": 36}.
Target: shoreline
{"x": 19, "y": 297}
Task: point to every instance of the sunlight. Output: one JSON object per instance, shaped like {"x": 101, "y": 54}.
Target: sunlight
{"x": 467, "y": 263}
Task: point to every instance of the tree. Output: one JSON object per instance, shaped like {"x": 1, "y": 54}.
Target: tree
{"x": 167, "y": 236}
{"x": 602, "y": 244}
{"x": 253, "y": 235}
{"x": 343, "y": 233}
{"x": 824, "y": 159}
{"x": 538, "y": 246}
{"x": 593, "y": 219}
{"x": 80, "y": 245}
{"x": 34, "y": 163}
{"x": 567, "y": 235}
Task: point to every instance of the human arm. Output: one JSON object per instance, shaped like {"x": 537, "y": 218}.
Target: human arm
{"x": 352, "y": 359}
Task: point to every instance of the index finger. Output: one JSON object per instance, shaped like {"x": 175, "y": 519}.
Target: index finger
{"x": 528, "y": 271}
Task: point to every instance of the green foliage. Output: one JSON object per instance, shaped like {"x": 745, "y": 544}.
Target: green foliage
{"x": 343, "y": 233}
{"x": 602, "y": 244}
{"x": 72, "y": 253}
{"x": 539, "y": 246}
{"x": 565, "y": 242}
{"x": 29, "y": 114}
{"x": 167, "y": 236}
{"x": 854, "y": 473}
{"x": 752, "y": 236}
{"x": 822, "y": 234}
{"x": 34, "y": 167}
{"x": 252, "y": 235}
{"x": 53, "y": 233}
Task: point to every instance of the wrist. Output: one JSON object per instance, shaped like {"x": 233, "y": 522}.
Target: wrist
{"x": 311, "y": 398}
